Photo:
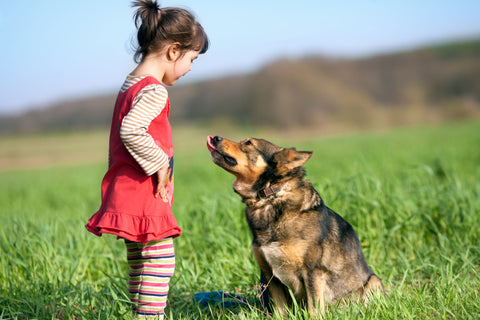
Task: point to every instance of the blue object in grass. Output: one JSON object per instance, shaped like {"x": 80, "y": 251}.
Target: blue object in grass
{"x": 224, "y": 299}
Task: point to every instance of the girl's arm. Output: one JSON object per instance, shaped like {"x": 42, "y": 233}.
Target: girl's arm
{"x": 148, "y": 105}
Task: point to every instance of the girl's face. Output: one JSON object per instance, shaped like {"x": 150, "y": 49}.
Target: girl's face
{"x": 180, "y": 67}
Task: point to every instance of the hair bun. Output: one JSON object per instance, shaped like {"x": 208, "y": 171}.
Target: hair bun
{"x": 147, "y": 10}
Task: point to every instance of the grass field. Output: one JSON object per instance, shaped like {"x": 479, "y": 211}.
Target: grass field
{"x": 413, "y": 197}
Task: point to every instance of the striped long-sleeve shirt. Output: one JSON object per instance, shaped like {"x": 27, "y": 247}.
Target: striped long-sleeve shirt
{"x": 147, "y": 105}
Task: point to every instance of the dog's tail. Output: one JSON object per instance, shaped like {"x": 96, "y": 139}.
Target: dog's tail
{"x": 373, "y": 287}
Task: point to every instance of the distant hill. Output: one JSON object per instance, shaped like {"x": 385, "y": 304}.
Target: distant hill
{"x": 429, "y": 84}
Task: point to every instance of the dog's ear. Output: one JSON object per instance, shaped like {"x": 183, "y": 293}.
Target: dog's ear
{"x": 291, "y": 158}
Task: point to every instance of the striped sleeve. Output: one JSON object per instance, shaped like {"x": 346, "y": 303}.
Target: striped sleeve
{"x": 148, "y": 105}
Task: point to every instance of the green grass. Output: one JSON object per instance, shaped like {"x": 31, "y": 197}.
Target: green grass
{"x": 413, "y": 197}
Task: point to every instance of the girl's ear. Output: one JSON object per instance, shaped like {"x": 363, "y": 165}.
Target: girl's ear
{"x": 173, "y": 51}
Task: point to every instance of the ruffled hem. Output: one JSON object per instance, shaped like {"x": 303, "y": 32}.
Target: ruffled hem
{"x": 133, "y": 228}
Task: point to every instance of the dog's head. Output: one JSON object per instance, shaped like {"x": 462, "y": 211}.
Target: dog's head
{"x": 257, "y": 162}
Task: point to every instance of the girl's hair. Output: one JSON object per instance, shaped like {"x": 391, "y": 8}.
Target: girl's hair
{"x": 158, "y": 27}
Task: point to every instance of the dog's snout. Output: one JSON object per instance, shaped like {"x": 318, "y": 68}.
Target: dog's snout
{"x": 212, "y": 142}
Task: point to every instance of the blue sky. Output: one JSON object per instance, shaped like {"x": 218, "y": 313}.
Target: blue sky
{"x": 57, "y": 50}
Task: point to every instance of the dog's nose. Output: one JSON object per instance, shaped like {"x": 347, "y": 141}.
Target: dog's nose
{"x": 217, "y": 139}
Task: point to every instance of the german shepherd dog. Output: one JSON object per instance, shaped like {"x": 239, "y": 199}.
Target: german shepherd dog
{"x": 299, "y": 243}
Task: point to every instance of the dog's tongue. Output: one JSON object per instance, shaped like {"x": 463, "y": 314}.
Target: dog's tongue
{"x": 209, "y": 144}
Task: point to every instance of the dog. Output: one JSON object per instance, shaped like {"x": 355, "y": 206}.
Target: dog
{"x": 300, "y": 244}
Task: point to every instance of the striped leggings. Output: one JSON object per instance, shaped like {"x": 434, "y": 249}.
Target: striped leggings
{"x": 151, "y": 267}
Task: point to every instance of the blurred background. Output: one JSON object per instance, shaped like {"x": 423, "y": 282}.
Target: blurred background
{"x": 319, "y": 66}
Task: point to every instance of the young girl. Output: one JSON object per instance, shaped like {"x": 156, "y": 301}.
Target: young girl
{"x": 137, "y": 190}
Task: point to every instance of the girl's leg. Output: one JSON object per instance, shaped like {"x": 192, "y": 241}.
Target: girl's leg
{"x": 151, "y": 267}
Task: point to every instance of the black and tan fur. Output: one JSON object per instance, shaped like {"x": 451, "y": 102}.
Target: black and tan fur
{"x": 298, "y": 241}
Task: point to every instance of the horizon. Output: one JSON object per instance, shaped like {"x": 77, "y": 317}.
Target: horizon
{"x": 113, "y": 92}
{"x": 65, "y": 57}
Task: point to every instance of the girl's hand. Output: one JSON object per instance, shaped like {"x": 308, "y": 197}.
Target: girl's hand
{"x": 162, "y": 183}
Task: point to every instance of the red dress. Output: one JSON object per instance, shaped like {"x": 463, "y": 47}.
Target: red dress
{"x": 129, "y": 208}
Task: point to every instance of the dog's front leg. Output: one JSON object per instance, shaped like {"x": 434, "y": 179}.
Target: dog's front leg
{"x": 279, "y": 295}
{"x": 315, "y": 285}
{"x": 276, "y": 289}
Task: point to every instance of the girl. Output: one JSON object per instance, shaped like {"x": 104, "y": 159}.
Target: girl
{"x": 137, "y": 190}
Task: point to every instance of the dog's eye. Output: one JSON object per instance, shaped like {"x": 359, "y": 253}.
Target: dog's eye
{"x": 248, "y": 143}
